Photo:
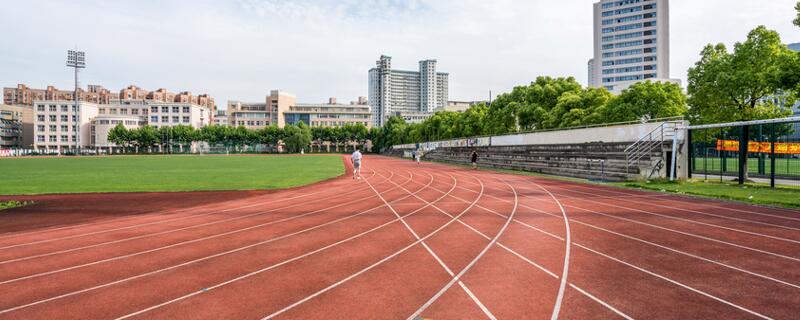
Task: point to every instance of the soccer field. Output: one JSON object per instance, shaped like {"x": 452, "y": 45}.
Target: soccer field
{"x": 783, "y": 166}
{"x": 163, "y": 173}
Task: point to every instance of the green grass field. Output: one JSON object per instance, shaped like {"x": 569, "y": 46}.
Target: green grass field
{"x": 783, "y": 167}
{"x": 163, "y": 173}
{"x": 755, "y": 193}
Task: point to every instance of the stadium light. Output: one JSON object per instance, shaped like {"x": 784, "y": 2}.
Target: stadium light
{"x": 76, "y": 60}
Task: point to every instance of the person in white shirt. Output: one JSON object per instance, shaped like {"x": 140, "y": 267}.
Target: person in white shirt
{"x": 355, "y": 159}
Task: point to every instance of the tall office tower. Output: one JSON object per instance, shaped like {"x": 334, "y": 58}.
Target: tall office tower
{"x": 590, "y": 66}
{"x": 631, "y": 43}
{"x": 398, "y": 92}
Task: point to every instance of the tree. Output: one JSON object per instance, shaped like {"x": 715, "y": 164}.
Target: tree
{"x": 146, "y": 136}
{"x": 797, "y": 20}
{"x": 725, "y": 87}
{"x": 739, "y": 86}
{"x": 183, "y": 135}
{"x": 297, "y": 137}
{"x": 119, "y": 135}
{"x": 646, "y": 99}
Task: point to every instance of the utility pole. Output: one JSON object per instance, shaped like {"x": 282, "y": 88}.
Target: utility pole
{"x": 76, "y": 60}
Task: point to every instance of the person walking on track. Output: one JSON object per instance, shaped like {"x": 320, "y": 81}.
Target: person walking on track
{"x": 474, "y": 160}
{"x": 355, "y": 159}
{"x": 417, "y": 155}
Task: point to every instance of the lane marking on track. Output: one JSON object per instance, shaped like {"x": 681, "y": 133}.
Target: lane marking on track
{"x": 700, "y": 292}
{"x": 471, "y": 263}
{"x": 158, "y": 213}
{"x": 688, "y": 210}
{"x": 340, "y": 282}
{"x": 214, "y": 236}
{"x": 168, "y": 231}
{"x": 191, "y": 262}
{"x": 705, "y": 202}
{"x": 568, "y": 241}
{"x": 657, "y": 275}
{"x": 670, "y": 230}
{"x": 286, "y": 261}
{"x": 621, "y": 314}
{"x": 450, "y": 272}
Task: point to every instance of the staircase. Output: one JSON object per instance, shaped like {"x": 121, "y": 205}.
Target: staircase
{"x": 648, "y": 154}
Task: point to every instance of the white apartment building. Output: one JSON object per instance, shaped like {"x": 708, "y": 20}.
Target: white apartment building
{"x": 392, "y": 92}
{"x": 631, "y": 43}
{"x": 158, "y": 113}
{"x": 61, "y": 125}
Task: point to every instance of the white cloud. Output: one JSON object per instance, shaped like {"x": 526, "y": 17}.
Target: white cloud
{"x": 240, "y": 50}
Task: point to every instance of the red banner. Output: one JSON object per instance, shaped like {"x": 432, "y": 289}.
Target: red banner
{"x": 759, "y": 147}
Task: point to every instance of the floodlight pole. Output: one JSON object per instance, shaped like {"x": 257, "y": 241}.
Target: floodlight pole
{"x": 76, "y": 60}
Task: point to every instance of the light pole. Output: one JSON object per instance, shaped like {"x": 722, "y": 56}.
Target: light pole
{"x": 76, "y": 60}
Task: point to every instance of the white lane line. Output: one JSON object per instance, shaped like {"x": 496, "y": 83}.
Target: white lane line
{"x": 192, "y": 261}
{"x": 168, "y": 231}
{"x": 700, "y": 292}
{"x": 698, "y": 201}
{"x": 681, "y": 209}
{"x": 601, "y": 302}
{"x": 689, "y": 234}
{"x": 41, "y": 274}
{"x": 450, "y": 272}
{"x": 340, "y": 282}
{"x": 656, "y": 245}
{"x": 563, "y": 286}
{"x": 471, "y": 263}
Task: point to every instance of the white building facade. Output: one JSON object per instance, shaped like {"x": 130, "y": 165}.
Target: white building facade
{"x": 397, "y": 91}
{"x": 631, "y": 43}
{"x": 61, "y": 126}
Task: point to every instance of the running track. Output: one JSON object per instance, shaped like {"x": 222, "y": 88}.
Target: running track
{"x": 408, "y": 241}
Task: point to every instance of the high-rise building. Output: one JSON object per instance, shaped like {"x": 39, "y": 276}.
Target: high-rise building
{"x": 631, "y": 43}
{"x": 392, "y": 92}
{"x": 590, "y": 66}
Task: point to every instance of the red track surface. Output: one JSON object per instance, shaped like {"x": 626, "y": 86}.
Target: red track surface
{"x": 409, "y": 240}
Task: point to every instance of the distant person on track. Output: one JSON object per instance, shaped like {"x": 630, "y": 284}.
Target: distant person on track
{"x": 355, "y": 159}
{"x": 474, "y": 160}
{"x": 417, "y": 156}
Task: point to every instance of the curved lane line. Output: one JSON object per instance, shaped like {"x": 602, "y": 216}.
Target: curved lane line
{"x": 473, "y": 262}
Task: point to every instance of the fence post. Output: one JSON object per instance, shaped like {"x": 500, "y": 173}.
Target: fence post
{"x": 772, "y": 139}
{"x": 744, "y": 139}
{"x": 691, "y": 164}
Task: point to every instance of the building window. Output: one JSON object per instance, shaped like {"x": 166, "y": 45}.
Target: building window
{"x": 40, "y": 138}
{"x": 153, "y": 118}
{"x": 40, "y": 117}
{"x": 123, "y": 111}
{"x": 40, "y": 128}
{"x": 135, "y": 111}
{"x": 75, "y": 109}
{"x": 186, "y": 109}
{"x": 52, "y": 128}
{"x": 53, "y": 118}
{"x": 74, "y": 128}
{"x": 164, "y": 109}
{"x": 40, "y": 108}
{"x": 64, "y": 128}
{"x": 74, "y": 139}
{"x": 64, "y": 139}
{"x": 153, "y": 109}
{"x": 165, "y": 119}
{"x": 53, "y": 138}
{"x": 74, "y": 118}
{"x": 176, "y": 109}
{"x": 64, "y": 108}
{"x": 52, "y": 108}
{"x": 185, "y": 119}
{"x": 176, "y": 119}
{"x": 113, "y": 111}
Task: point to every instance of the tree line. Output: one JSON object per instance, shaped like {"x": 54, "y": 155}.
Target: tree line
{"x": 241, "y": 139}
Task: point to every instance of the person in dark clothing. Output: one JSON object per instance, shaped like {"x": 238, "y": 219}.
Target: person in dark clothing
{"x": 474, "y": 160}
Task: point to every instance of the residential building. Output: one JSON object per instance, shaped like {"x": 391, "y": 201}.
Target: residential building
{"x": 61, "y": 125}
{"x": 221, "y": 118}
{"x": 16, "y": 127}
{"x": 159, "y": 114}
{"x": 328, "y": 114}
{"x": 631, "y": 43}
{"x": 256, "y": 115}
{"x": 397, "y": 91}
{"x": 23, "y": 95}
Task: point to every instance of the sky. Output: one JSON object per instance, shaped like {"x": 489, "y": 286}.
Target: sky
{"x": 242, "y": 49}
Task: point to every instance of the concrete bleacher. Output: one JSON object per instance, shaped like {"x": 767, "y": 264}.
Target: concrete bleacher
{"x": 570, "y": 160}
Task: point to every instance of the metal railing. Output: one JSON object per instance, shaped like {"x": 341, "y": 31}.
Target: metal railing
{"x": 650, "y": 142}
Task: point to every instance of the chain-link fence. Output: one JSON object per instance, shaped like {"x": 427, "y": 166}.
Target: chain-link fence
{"x": 757, "y": 151}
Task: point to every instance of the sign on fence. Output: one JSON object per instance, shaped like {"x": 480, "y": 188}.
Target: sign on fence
{"x": 759, "y": 147}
